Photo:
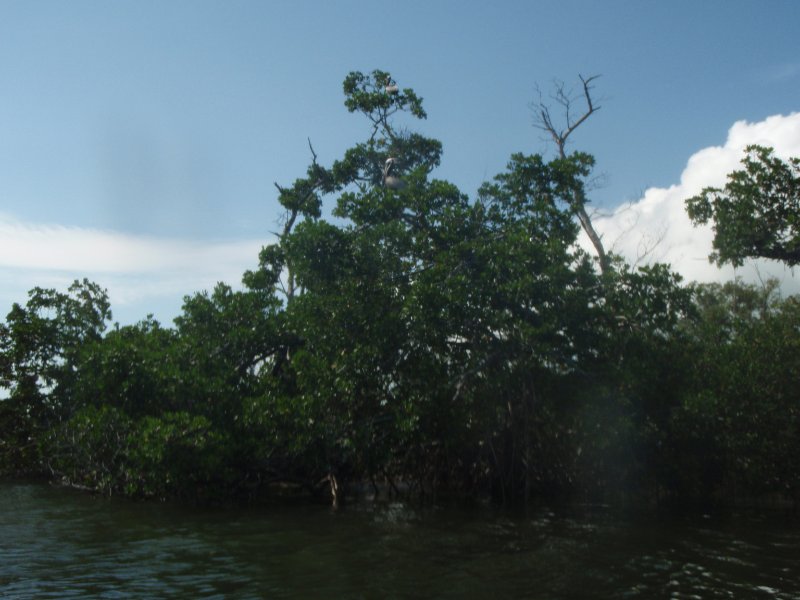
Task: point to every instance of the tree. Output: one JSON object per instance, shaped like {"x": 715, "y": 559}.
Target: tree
{"x": 134, "y": 369}
{"x": 451, "y": 343}
{"x": 757, "y": 213}
{"x": 431, "y": 335}
{"x": 226, "y": 339}
{"x": 40, "y": 346}
{"x": 544, "y": 120}
{"x": 40, "y": 341}
{"x": 745, "y": 405}
{"x": 345, "y": 286}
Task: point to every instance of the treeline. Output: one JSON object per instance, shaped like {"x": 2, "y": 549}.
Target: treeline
{"x": 419, "y": 342}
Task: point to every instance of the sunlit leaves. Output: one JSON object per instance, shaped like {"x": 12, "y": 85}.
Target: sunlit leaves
{"x": 368, "y": 94}
{"x": 757, "y": 213}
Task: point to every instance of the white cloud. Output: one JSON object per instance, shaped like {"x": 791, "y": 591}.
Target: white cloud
{"x": 54, "y": 247}
{"x": 656, "y": 228}
{"x": 142, "y": 274}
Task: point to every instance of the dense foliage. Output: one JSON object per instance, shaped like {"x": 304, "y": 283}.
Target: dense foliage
{"x": 757, "y": 213}
{"x": 418, "y": 342}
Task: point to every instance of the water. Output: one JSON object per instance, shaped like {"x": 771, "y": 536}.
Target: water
{"x": 57, "y": 543}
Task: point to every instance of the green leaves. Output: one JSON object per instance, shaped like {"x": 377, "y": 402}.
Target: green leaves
{"x": 757, "y": 213}
{"x": 135, "y": 369}
{"x": 374, "y": 96}
{"x": 41, "y": 342}
{"x": 427, "y": 337}
{"x": 745, "y": 403}
{"x": 90, "y": 449}
{"x": 103, "y": 450}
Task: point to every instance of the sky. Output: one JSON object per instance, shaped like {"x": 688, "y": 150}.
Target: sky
{"x": 140, "y": 140}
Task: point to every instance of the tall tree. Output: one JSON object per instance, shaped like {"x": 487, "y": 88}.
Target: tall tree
{"x": 544, "y": 120}
{"x": 430, "y": 332}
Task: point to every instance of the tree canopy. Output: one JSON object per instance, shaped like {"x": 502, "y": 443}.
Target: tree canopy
{"x": 757, "y": 213}
{"x": 417, "y": 342}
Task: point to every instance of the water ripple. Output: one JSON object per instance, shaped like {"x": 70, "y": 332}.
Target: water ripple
{"x": 58, "y": 544}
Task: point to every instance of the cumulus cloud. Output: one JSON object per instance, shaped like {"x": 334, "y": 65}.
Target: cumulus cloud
{"x": 655, "y": 228}
{"x": 136, "y": 270}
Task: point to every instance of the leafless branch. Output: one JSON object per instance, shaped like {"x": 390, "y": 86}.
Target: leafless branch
{"x": 543, "y": 120}
{"x": 647, "y": 244}
{"x": 313, "y": 154}
{"x": 566, "y": 99}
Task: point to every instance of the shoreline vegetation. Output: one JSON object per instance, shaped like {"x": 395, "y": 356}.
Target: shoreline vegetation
{"x": 425, "y": 344}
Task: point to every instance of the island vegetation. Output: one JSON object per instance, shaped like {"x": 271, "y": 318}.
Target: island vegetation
{"x": 420, "y": 342}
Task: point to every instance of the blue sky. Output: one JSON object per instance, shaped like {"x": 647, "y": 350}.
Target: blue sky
{"x": 139, "y": 140}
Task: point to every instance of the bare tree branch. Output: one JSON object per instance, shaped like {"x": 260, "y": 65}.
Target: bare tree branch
{"x": 543, "y": 120}
{"x": 313, "y": 154}
{"x": 566, "y": 99}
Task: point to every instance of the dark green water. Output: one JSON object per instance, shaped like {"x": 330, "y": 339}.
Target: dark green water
{"x": 56, "y": 543}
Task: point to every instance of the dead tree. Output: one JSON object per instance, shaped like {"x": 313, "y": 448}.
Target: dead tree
{"x": 543, "y": 120}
